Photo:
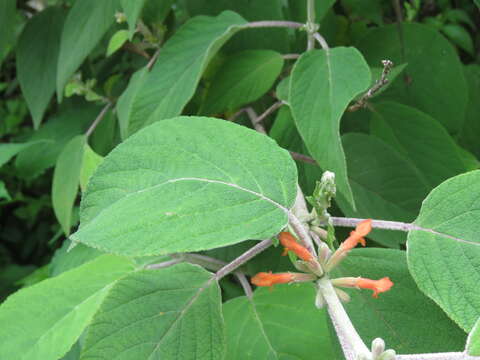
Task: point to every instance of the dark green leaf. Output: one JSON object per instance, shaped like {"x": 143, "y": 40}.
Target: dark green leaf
{"x": 444, "y": 254}
{"x": 172, "y": 313}
{"x": 432, "y": 63}
{"x": 7, "y": 27}
{"x": 66, "y": 179}
{"x": 402, "y": 316}
{"x": 322, "y": 85}
{"x": 172, "y": 82}
{"x": 242, "y": 79}
{"x": 261, "y": 327}
{"x": 385, "y": 185}
{"x": 419, "y": 138}
{"x": 471, "y": 127}
{"x": 37, "y": 56}
{"x": 86, "y": 23}
{"x": 179, "y": 192}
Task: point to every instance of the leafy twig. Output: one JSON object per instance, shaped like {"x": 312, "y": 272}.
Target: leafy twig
{"x": 387, "y": 67}
{"x": 98, "y": 119}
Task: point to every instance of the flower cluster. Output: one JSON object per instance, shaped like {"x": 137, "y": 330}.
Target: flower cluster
{"x": 315, "y": 268}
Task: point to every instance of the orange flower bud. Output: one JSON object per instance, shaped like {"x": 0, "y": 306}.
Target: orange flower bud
{"x": 290, "y": 244}
{"x": 356, "y": 236}
{"x": 269, "y": 279}
{"x": 377, "y": 286}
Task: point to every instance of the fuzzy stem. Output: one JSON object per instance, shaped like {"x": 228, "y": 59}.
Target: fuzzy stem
{"x": 98, "y": 119}
{"x": 377, "y": 224}
{"x": 352, "y": 344}
{"x": 310, "y": 24}
{"x": 242, "y": 259}
{"x": 273, "y": 23}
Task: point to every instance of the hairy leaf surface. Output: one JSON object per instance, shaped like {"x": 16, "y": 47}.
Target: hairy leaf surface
{"x": 172, "y": 313}
{"x": 444, "y": 254}
{"x": 187, "y": 184}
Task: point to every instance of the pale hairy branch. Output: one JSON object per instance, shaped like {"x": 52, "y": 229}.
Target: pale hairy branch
{"x": 98, "y": 119}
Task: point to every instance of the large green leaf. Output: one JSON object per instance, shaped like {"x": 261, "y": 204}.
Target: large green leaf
{"x": 66, "y": 179}
{"x": 7, "y": 27}
{"x": 37, "y": 56}
{"x": 172, "y": 313}
{"x": 385, "y": 185}
{"x": 423, "y": 83}
{"x": 173, "y": 80}
{"x": 244, "y": 78}
{"x": 420, "y": 138}
{"x": 275, "y": 323}
{"x": 8, "y": 151}
{"x": 473, "y": 341}
{"x": 444, "y": 254}
{"x": 403, "y": 316}
{"x": 55, "y": 133}
{"x": 43, "y": 321}
{"x": 471, "y": 127}
{"x": 322, "y": 85}
{"x": 86, "y": 23}
{"x": 187, "y": 184}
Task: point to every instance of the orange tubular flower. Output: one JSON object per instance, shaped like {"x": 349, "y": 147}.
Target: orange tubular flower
{"x": 290, "y": 244}
{"x": 356, "y": 236}
{"x": 269, "y": 279}
{"x": 378, "y": 286}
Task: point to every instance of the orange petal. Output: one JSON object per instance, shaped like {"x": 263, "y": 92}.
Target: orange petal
{"x": 378, "y": 286}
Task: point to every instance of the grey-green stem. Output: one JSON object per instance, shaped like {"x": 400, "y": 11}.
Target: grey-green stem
{"x": 352, "y": 345}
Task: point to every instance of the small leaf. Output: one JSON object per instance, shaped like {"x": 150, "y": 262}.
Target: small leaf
{"x": 43, "y": 321}
{"x": 242, "y": 79}
{"x": 66, "y": 179}
{"x": 403, "y": 315}
{"x": 86, "y": 23}
{"x": 4, "y": 192}
{"x": 132, "y": 10}
{"x": 179, "y": 192}
{"x": 261, "y": 327}
{"x": 116, "y": 41}
{"x": 172, "y": 313}
{"x": 459, "y": 36}
{"x": 37, "y": 56}
{"x": 173, "y": 80}
{"x": 91, "y": 160}
{"x": 444, "y": 253}
{"x": 322, "y": 85}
